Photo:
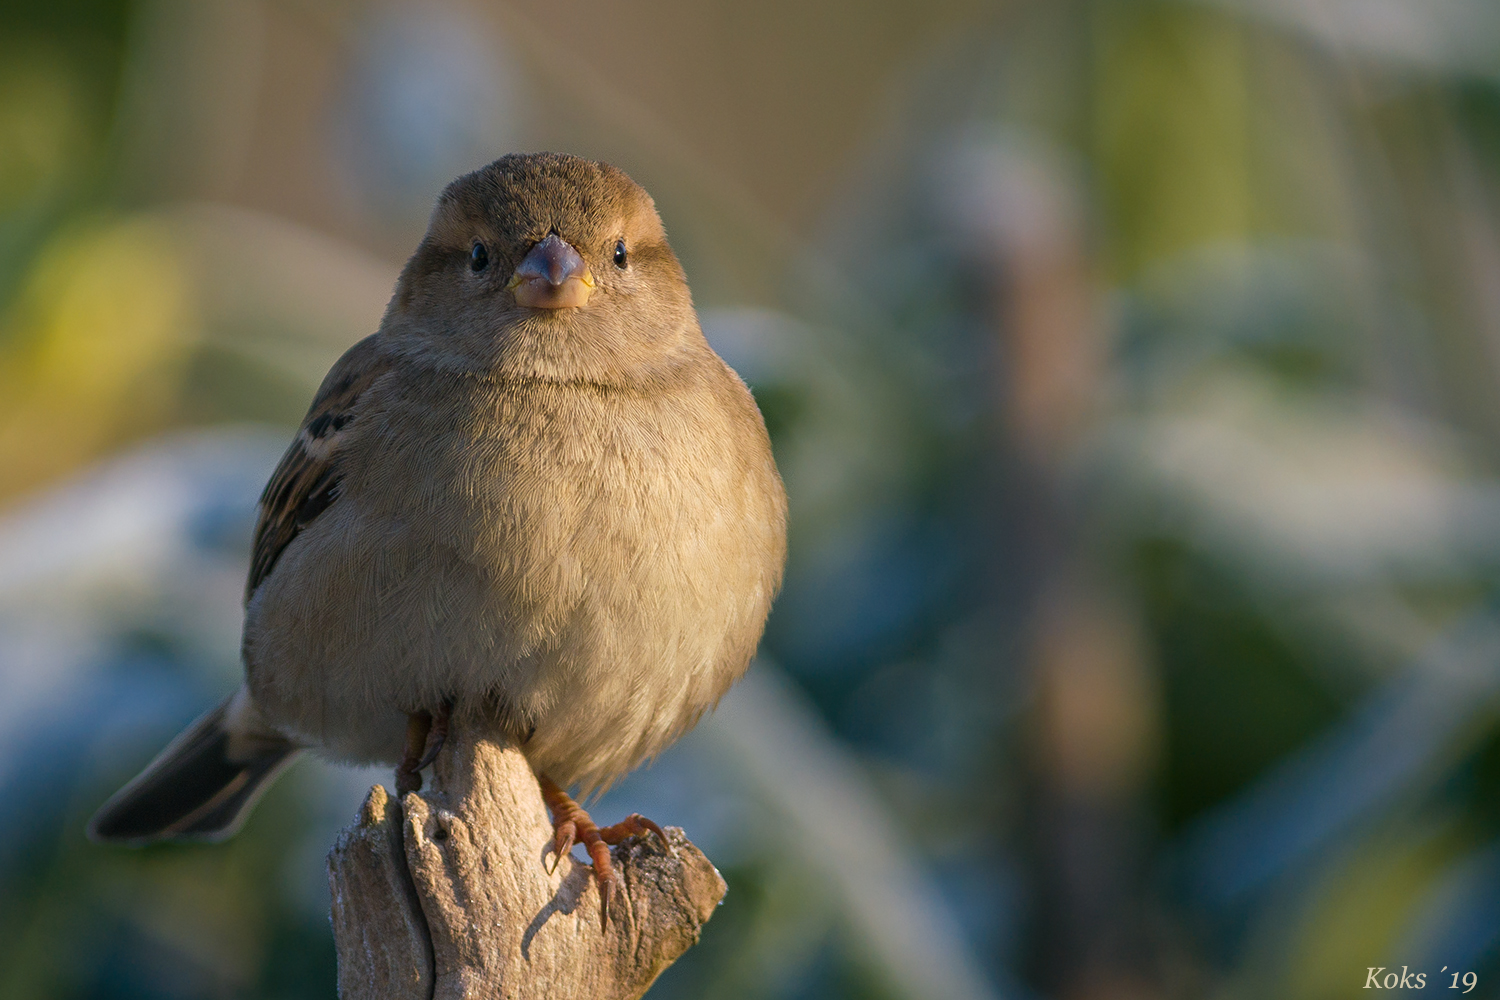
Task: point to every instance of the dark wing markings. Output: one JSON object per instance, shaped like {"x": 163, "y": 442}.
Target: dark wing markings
{"x": 306, "y": 482}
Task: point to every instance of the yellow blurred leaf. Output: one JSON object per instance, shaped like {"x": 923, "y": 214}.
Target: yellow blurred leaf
{"x": 94, "y": 349}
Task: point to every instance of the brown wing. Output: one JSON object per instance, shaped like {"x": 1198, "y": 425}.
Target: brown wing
{"x": 307, "y": 480}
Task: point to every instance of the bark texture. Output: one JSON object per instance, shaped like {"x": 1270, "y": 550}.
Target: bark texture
{"x": 446, "y": 895}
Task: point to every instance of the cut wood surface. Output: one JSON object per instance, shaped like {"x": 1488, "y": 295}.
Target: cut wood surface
{"x": 447, "y": 894}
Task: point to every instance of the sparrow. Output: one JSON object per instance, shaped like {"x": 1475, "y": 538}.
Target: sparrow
{"x": 534, "y": 500}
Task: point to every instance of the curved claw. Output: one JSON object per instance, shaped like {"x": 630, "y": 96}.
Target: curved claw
{"x": 562, "y": 843}
{"x": 437, "y": 735}
{"x": 418, "y": 724}
{"x": 606, "y": 890}
{"x": 661, "y": 834}
{"x": 431, "y": 755}
{"x": 605, "y": 875}
{"x": 636, "y": 825}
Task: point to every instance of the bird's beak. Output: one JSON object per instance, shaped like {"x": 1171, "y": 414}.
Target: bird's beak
{"x": 552, "y": 276}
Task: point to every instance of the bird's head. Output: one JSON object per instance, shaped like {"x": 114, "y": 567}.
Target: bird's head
{"x": 547, "y": 265}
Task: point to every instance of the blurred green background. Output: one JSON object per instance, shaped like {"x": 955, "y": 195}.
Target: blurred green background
{"x": 1132, "y": 366}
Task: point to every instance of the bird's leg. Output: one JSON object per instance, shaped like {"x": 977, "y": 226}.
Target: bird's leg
{"x": 571, "y": 824}
{"x": 439, "y": 734}
{"x": 418, "y": 725}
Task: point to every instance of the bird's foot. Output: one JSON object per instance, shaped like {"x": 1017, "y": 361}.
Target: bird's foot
{"x": 425, "y": 735}
{"x": 572, "y": 825}
{"x": 408, "y": 776}
{"x": 438, "y": 734}
{"x": 635, "y": 825}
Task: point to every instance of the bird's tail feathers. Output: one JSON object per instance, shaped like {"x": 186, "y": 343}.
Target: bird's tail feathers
{"x": 202, "y": 786}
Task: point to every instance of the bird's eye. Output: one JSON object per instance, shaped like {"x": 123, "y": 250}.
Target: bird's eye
{"x": 620, "y": 254}
{"x": 479, "y": 257}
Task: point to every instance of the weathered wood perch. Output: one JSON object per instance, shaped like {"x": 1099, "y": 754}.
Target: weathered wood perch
{"x": 445, "y": 895}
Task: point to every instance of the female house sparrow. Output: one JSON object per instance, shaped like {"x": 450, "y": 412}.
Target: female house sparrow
{"x": 535, "y": 494}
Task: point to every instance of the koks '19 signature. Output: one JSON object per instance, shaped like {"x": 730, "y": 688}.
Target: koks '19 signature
{"x": 1380, "y": 979}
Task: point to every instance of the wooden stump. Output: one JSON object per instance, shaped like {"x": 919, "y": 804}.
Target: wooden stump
{"x": 446, "y": 895}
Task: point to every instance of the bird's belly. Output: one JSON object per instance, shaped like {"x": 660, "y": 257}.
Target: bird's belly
{"x": 599, "y": 613}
